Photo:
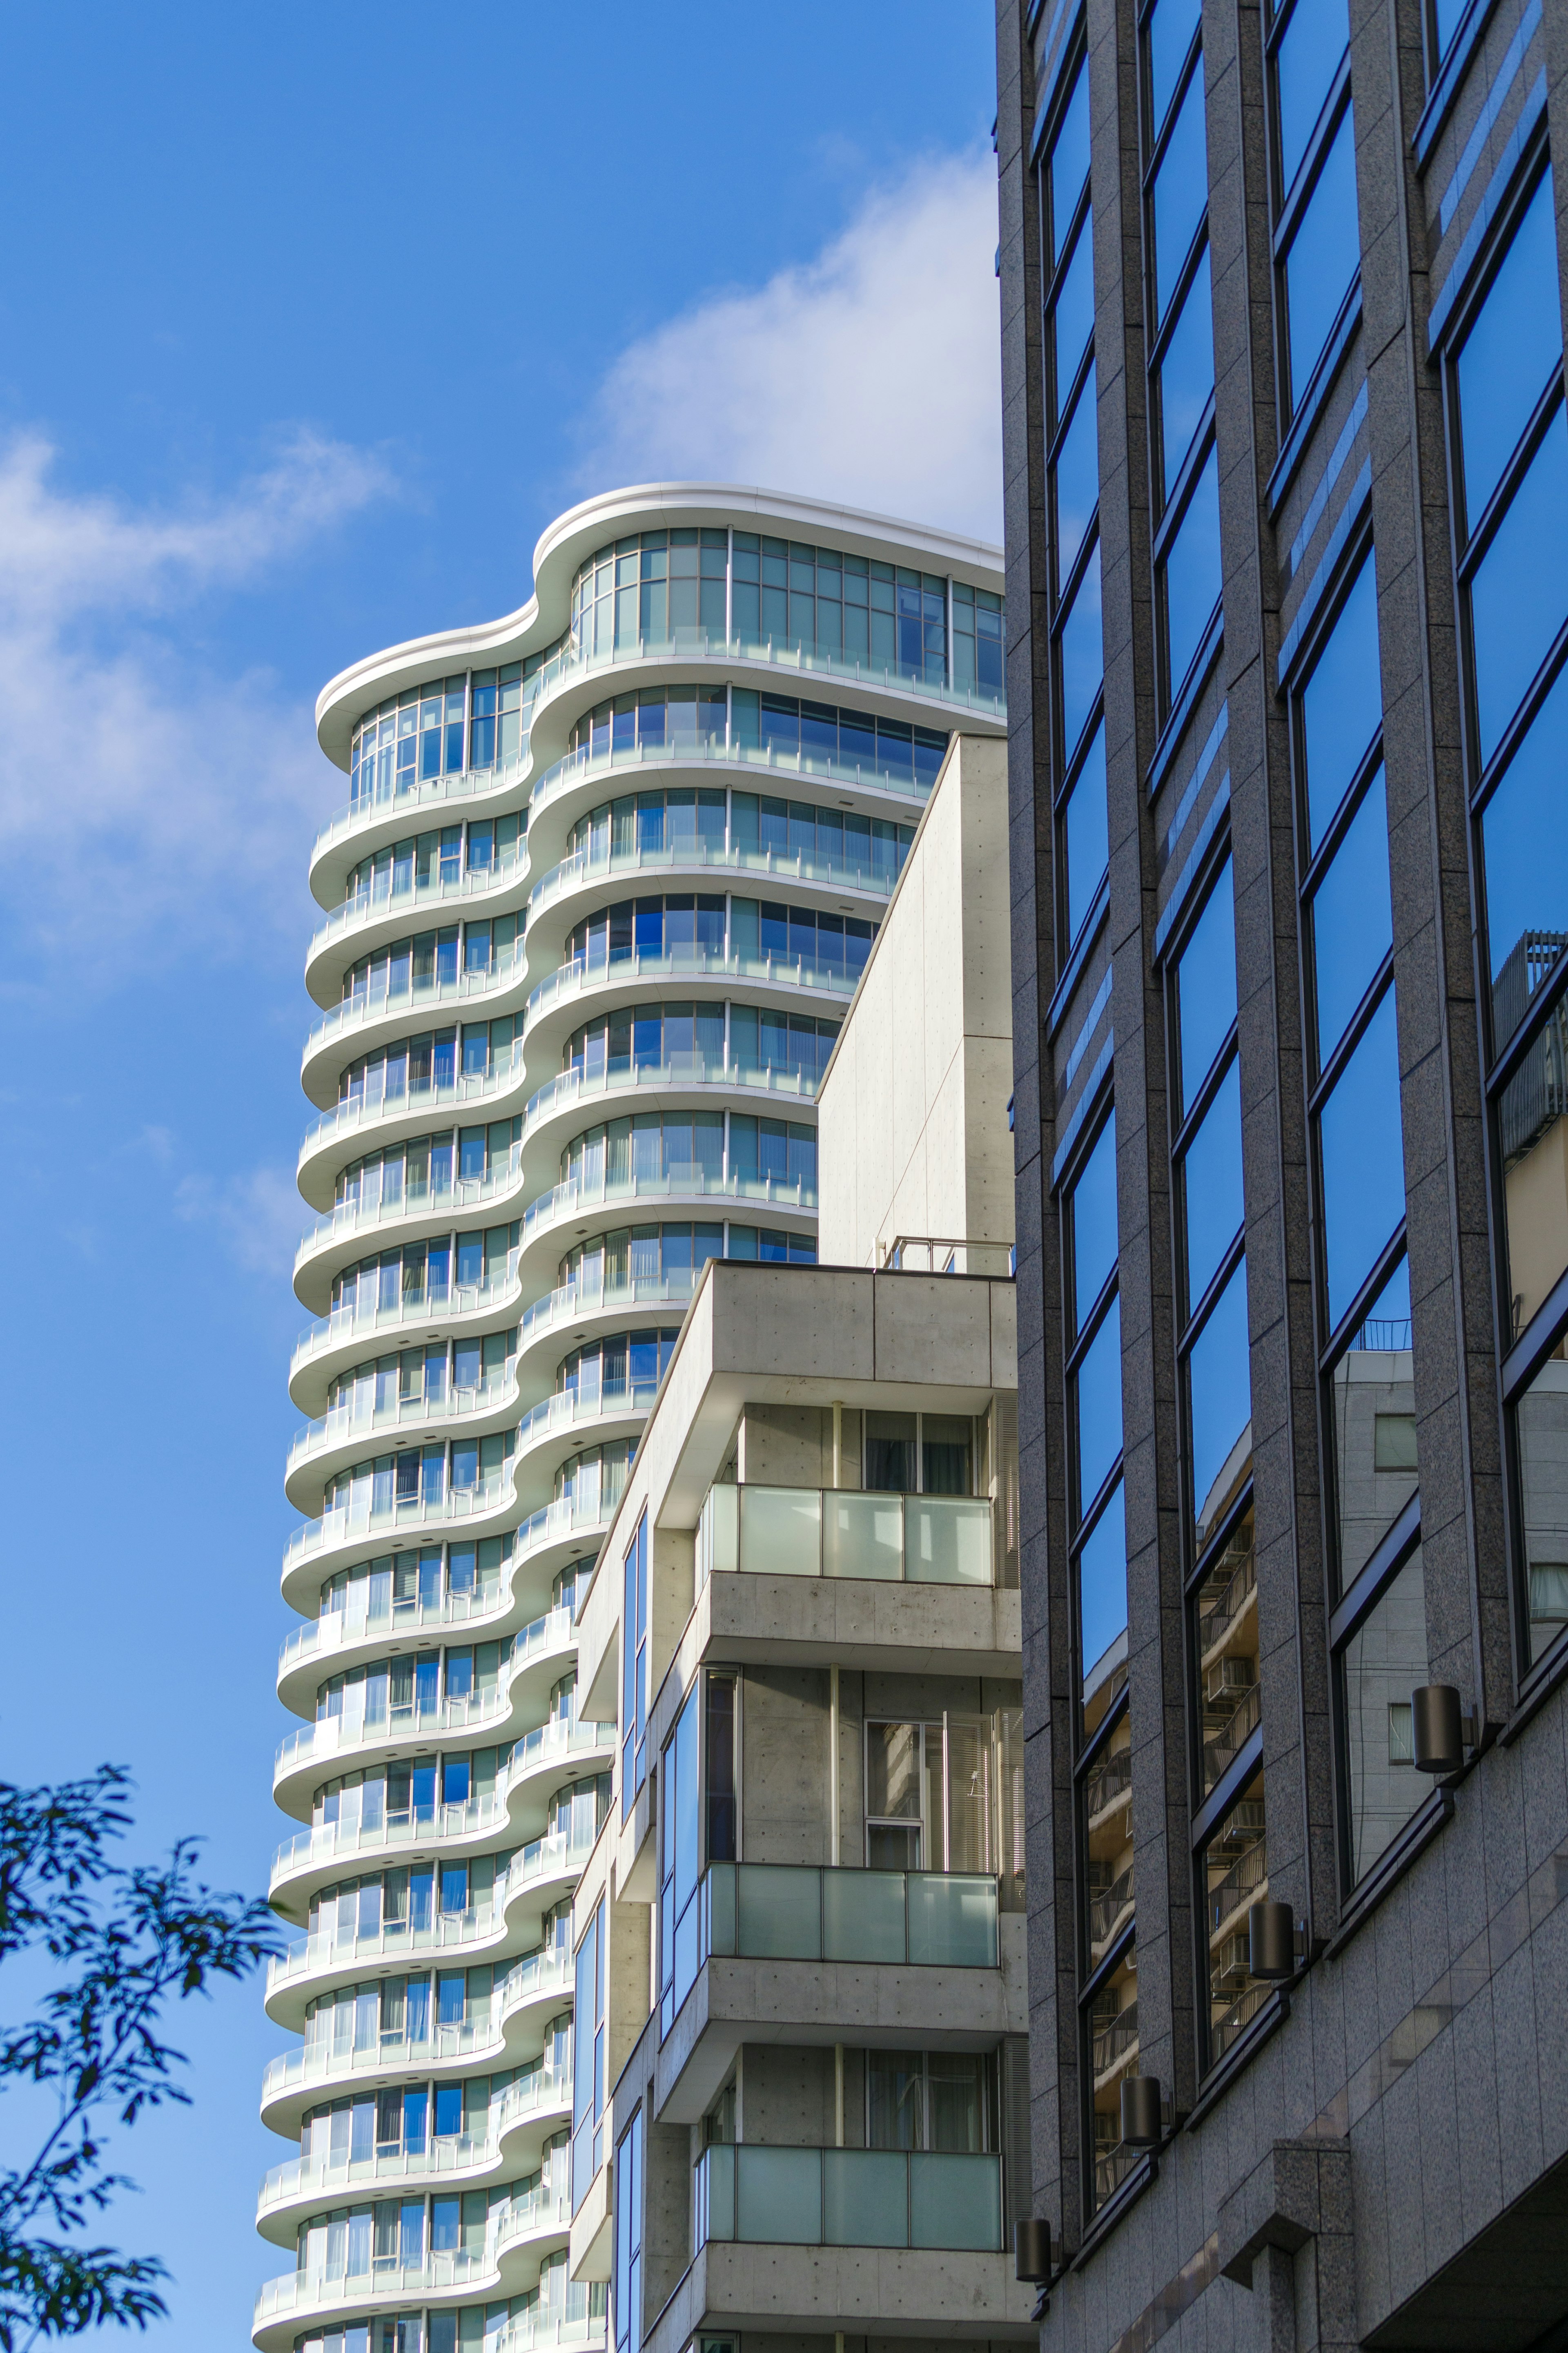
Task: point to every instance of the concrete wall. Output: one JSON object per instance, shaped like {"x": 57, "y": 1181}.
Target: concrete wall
{"x": 912, "y": 1116}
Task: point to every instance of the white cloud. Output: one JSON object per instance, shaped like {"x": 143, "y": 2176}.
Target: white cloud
{"x": 871, "y": 375}
{"x": 256, "y": 1214}
{"x": 143, "y": 804}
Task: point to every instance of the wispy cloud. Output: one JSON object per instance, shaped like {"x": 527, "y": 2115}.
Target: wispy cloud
{"x": 143, "y": 801}
{"x": 871, "y": 374}
{"x": 256, "y": 1214}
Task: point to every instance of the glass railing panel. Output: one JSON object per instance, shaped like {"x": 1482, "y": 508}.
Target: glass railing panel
{"x": 781, "y": 1531}
{"x": 863, "y": 1535}
{"x": 953, "y": 1920}
{"x": 865, "y": 2197}
{"x": 778, "y": 2197}
{"x": 955, "y": 2201}
{"x": 863, "y": 1916}
{"x": 947, "y": 1540}
{"x": 778, "y": 1912}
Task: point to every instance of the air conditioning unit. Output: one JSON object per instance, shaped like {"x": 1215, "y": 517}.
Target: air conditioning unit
{"x": 1228, "y": 1678}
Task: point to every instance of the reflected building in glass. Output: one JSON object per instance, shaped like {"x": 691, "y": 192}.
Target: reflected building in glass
{"x": 609, "y": 873}
{"x": 1282, "y": 299}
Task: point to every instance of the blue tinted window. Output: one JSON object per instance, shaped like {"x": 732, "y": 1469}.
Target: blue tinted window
{"x": 1180, "y": 192}
{"x": 1212, "y": 1186}
{"x": 1221, "y": 1395}
{"x": 1520, "y": 592}
{"x": 1077, "y": 478}
{"x": 1073, "y": 310}
{"x": 1324, "y": 258}
{"x": 1099, "y": 1386}
{"x": 1353, "y": 922}
{"x": 1525, "y": 847}
{"x": 1171, "y": 30}
{"x": 1069, "y": 160}
{"x": 1448, "y": 15}
{"x": 1205, "y": 986}
{"x": 1094, "y": 1223}
{"x": 1510, "y": 352}
{"x": 1192, "y": 573}
{"x": 1314, "y": 41}
{"x": 1102, "y": 1585}
{"x": 1082, "y": 654}
{"x": 1186, "y": 373}
{"x": 1087, "y": 835}
{"x": 1363, "y": 1160}
{"x": 1341, "y": 708}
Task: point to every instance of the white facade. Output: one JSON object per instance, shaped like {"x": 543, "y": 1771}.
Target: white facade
{"x": 593, "y": 916}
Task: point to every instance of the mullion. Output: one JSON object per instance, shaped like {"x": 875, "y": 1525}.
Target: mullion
{"x": 1355, "y": 1029}
{"x": 1294, "y": 200}
{"x": 1513, "y": 473}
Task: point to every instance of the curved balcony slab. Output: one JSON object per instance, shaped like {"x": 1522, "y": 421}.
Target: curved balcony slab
{"x": 539, "y": 1653}
{"x": 326, "y": 1852}
{"x": 301, "y": 2078}
{"x": 343, "y": 1436}
{"x": 363, "y": 1024}
{"x": 347, "y": 1336}
{"x": 324, "y": 1750}
{"x": 560, "y": 1108}
{"x": 320, "y": 1961}
{"x": 521, "y": 2122}
{"x": 569, "y": 995}
{"x": 372, "y": 918}
{"x": 514, "y": 2245}
{"x": 377, "y": 819}
{"x": 543, "y": 1542}
{"x": 362, "y": 1125}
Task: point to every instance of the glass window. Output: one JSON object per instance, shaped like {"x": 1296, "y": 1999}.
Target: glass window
{"x": 1098, "y": 1386}
{"x": 1380, "y": 1665}
{"x": 1507, "y": 357}
{"x": 1533, "y": 1134}
{"x": 1206, "y": 988}
{"x": 1351, "y": 919}
{"x": 1341, "y": 707}
{"x": 1311, "y": 49}
{"x": 1093, "y": 1219}
{"x": 1220, "y": 1407}
{"x": 1525, "y": 851}
{"x": 1186, "y": 375}
{"x": 1211, "y": 1188}
{"x": 1542, "y": 1417}
{"x": 1082, "y": 656}
{"x": 1363, "y": 1161}
{"x": 1323, "y": 256}
{"x": 1102, "y": 1580}
{"x": 1072, "y": 313}
{"x": 1226, "y": 1649}
{"x": 1171, "y": 29}
{"x": 1373, "y": 1404}
{"x": 1518, "y": 595}
{"x": 1180, "y": 193}
{"x": 1235, "y": 1872}
{"x": 1192, "y": 575}
{"x": 1077, "y": 476}
{"x": 1085, "y": 836}
{"x": 1069, "y": 160}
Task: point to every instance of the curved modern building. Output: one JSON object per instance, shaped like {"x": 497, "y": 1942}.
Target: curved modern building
{"x": 607, "y": 872}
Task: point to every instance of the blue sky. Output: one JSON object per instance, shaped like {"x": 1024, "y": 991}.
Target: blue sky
{"x": 309, "y": 320}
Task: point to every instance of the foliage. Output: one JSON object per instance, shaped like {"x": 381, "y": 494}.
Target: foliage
{"x": 127, "y": 1939}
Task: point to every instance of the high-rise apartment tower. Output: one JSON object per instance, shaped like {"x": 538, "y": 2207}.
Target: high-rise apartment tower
{"x": 1286, "y": 520}
{"x": 607, "y": 874}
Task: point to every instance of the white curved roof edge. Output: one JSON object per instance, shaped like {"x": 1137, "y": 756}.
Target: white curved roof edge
{"x": 577, "y": 533}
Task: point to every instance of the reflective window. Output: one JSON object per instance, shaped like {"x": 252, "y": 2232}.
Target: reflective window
{"x": 1192, "y": 575}
{"x": 1173, "y": 29}
{"x": 1082, "y": 656}
{"x": 1211, "y": 1188}
{"x": 1380, "y": 1664}
{"x": 1098, "y": 1400}
{"x": 1187, "y": 374}
{"x": 1072, "y": 315}
{"x": 1525, "y": 856}
{"x": 1309, "y": 52}
{"x": 1363, "y": 1161}
{"x": 1076, "y": 477}
{"x": 1068, "y": 168}
{"x": 1351, "y": 919}
{"x": 1234, "y": 1877}
{"x": 1220, "y": 1404}
{"x": 1181, "y": 190}
{"x": 1086, "y": 834}
{"x": 1519, "y": 590}
{"x": 1316, "y": 195}
{"x": 1094, "y": 1224}
{"x": 1205, "y": 989}
{"x": 1508, "y": 358}
{"x": 1341, "y": 707}
{"x": 1372, "y": 1398}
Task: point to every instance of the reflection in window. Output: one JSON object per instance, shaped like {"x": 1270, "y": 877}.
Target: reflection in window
{"x": 1085, "y": 835}
{"x": 1371, "y": 1388}
{"x": 1381, "y": 1664}
{"x": 1235, "y": 1876}
{"x": 1317, "y": 190}
{"x": 1186, "y": 375}
{"x": 1310, "y": 51}
{"x": 1082, "y": 656}
{"x": 1351, "y": 919}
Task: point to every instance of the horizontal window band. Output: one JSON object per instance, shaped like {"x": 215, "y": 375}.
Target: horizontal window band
{"x": 1198, "y": 674}
{"x": 1211, "y": 1553}
{"x": 1516, "y": 164}
{"x": 1085, "y": 1106}
{"x": 1314, "y": 397}
{"x": 1241, "y": 1769}
{"x": 1365, "y": 1300}
{"x": 1393, "y": 1550}
{"x": 1451, "y": 78}
{"x": 1340, "y": 557}
{"x": 1083, "y": 946}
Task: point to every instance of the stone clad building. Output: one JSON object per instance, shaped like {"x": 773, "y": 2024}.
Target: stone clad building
{"x": 1287, "y": 536}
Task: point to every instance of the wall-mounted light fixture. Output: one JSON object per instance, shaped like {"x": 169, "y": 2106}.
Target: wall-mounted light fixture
{"x": 1142, "y": 2120}
{"x": 1441, "y": 1728}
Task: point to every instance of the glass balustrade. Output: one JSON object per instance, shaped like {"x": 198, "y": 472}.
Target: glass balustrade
{"x": 834, "y": 1532}
{"x": 804, "y": 1911}
{"x": 764, "y": 2195}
